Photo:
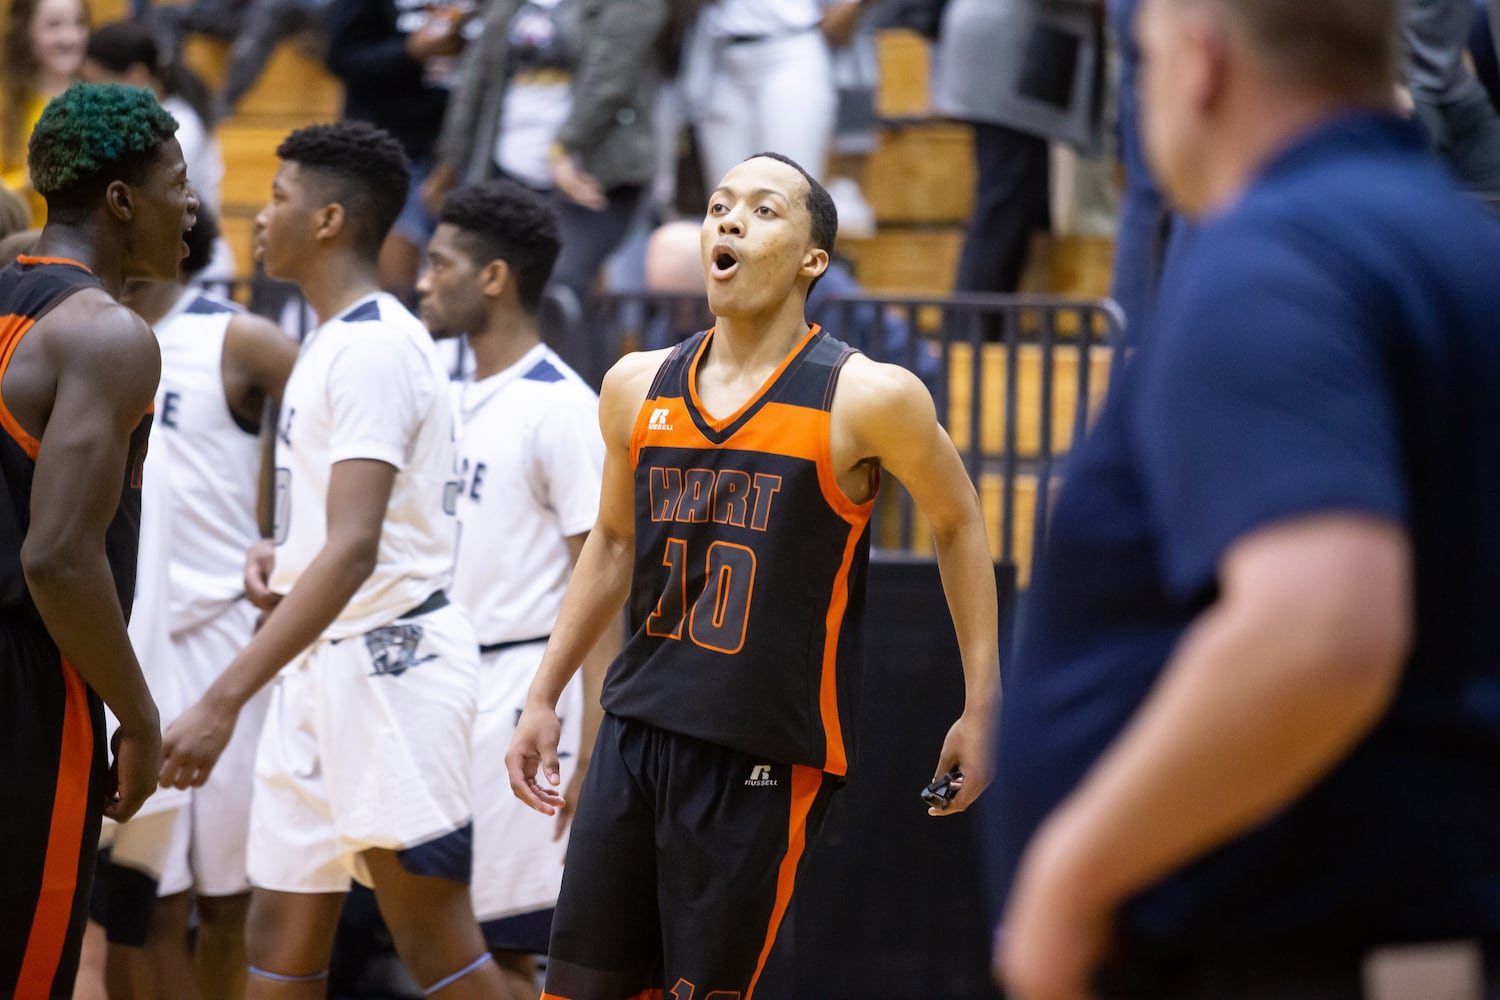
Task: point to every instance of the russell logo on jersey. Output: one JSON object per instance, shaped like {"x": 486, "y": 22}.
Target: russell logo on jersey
{"x": 760, "y": 776}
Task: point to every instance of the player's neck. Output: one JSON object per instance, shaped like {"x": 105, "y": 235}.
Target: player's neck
{"x": 750, "y": 343}
{"x": 505, "y": 340}
{"x": 83, "y": 245}
{"x": 335, "y": 282}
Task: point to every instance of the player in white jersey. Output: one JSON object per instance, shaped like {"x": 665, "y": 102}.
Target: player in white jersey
{"x": 362, "y": 769}
{"x": 220, "y": 365}
{"x": 530, "y": 459}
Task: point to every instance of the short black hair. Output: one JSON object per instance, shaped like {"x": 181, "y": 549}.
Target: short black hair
{"x": 90, "y": 136}
{"x": 362, "y": 168}
{"x": 200, "y": 243}
{"x": 825, "y": 216}
{"x": 502, "y": 220}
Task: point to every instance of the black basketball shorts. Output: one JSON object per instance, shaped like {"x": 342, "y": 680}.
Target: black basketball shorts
{"x": 682, "y": 861}
{"x": 52, "y": 770}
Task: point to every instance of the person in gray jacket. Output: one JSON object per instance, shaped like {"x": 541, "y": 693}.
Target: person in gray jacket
{"x": 559, "y": 95}
{"x": 1021, "y": 73}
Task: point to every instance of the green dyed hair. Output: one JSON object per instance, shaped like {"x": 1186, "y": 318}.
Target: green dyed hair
{"x": 90, "y": 136}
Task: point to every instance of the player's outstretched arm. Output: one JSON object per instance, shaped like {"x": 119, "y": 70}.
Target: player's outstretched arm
{"x": 107, "y": 366}
{"x": 359, "y": 491}
{"x": 596, "y": 591}
{"x": 885, "y": 413}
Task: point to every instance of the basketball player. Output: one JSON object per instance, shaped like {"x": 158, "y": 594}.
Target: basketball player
{"x": 220, "y": 364}
{"x": 739, "y": 474}
{"x": 530, "y": 457}
{"x": 1249, "y": 747}
{"x": 362, "y": 768}
{"x": 78, "y": 374}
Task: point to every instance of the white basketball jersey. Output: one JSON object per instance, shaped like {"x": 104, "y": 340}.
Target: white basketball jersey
{"x": 211, "y": 461}
{"x": 368, "y": 384}
{"x": 530, "y": 459}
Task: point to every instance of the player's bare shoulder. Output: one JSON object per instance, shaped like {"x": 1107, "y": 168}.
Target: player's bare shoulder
{"x": 876, "y": 404}
{"x": 91, "y": 335}
{"x": 624, "y": 391}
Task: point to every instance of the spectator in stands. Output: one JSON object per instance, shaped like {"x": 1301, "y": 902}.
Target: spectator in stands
{"x": 1009, "y": 69}
{"x": 127, "y": 52}
{"x": 393, "y": 57}
{"x": 1451, "y": 104}
{"x": 18, "y": 242}
{"x": 760, "y": 76}
{"x": 15, "y": 214}
{"x": 43, "y": 51}
{"x": 265, "y": 25}
{"x": 560, "y": 95}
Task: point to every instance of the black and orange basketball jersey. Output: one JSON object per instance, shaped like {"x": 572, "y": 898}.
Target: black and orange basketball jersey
{"x": 750, "y": 562}
{"x": 29, "y": 289}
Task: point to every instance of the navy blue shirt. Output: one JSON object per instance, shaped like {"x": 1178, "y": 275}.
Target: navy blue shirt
{"x": 1329, "y": 343}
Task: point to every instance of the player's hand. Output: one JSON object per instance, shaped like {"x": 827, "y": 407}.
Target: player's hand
{"x": 259, "y": 562}
{"x": 194, "y": 742}
{"x": 132, "y": 773}
{"x": 570, "y": 799}
{"x": 532, "y": 759}
{"x": 969, "y": 747}
{"x": 1054, "y": 932}
{"x": 576, "y": 185}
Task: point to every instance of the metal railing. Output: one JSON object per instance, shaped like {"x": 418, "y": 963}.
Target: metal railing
{"x": 1014, "y": 379}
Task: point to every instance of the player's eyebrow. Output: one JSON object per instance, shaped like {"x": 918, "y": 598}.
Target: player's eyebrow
{"x": 757, "y": 193}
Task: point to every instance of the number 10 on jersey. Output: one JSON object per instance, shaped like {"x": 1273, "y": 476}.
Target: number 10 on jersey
{"x": 716, "y": 616}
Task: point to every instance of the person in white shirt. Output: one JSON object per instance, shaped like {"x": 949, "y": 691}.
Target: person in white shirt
{"x": 363, "y": 765}
{"x": 530, "y": 460}
{"x": 220, "y": 365}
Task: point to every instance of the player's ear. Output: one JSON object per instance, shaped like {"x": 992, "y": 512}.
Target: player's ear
{"x": 329, "y": 221}
{"x": 814, "y": 263}
{"x": 494, "y": 276}
{"x": 120, "y": 201}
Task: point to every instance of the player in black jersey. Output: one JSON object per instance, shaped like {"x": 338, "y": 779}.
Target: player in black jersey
{"x": 77, "y": 376}
{"x": 739, "y": 474}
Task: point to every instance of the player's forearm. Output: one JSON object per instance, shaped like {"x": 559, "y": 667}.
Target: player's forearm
{"x": 327, "y": 585}
{"x": 595, "y": 665}
{"x": 968, "y": 574}
{"x": 1247, "y": 715}
{"x": 76, "y": 597}
{"x": 590, "y": 608}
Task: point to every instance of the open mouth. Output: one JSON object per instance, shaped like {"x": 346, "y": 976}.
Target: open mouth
{"x": 725, "y": 262}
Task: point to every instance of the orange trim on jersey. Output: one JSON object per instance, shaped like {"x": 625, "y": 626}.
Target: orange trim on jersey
{"x": 54, "y": 904}
{"x": 828, "y": 683}
{"x": 719, "y": 424}
{"x": 12, "y": 329}
{"x": 806, "y": 781}
{"x": 643, "y": 995}
{"x": 26, "y": 258}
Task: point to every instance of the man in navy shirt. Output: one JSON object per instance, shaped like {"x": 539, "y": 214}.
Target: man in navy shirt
{"x": 1251, "y": 744}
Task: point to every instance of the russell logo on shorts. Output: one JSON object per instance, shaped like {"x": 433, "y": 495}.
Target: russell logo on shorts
{"x": 760, "y": 776}
{"x": 393, "y": 649}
